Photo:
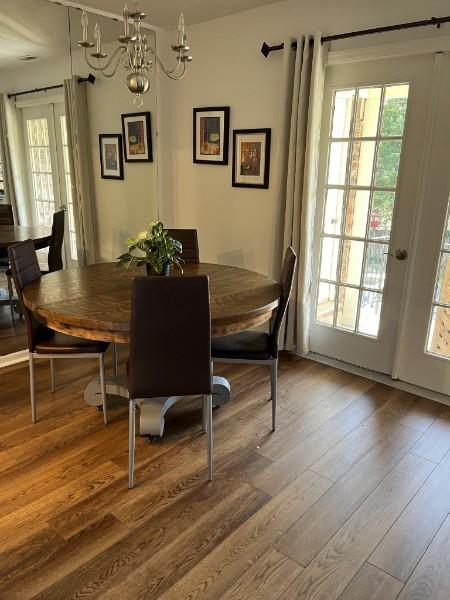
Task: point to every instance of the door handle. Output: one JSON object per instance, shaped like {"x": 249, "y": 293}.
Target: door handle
{"x": 400, "y": 254}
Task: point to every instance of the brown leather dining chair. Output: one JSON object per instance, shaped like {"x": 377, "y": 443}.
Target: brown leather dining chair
{"x": 170, "y": 347}
{"x": 43, "y": 342}
{"x": 6, "y": 214}
{"x": 55, "y": 261}
{"x": 7, "y": 218}
{"x": 258, "y": 347}
{"x": 189, "y": 241}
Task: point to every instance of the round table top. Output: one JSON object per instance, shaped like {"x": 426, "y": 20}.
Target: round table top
{"x": 94, "y": 302}
{"x": 12, "y": 234}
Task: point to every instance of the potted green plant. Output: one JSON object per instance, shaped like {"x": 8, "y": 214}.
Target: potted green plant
{"x": 153, "y": 248}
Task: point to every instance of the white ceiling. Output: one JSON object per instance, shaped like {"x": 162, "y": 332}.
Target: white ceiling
{"x": 31, "y": 27}
{"x": 39, "y": 28}
{"x": 164, "y": 13}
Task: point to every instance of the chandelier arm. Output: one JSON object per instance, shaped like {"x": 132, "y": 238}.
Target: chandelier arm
{"x": 114, "y": 71}
{"x": 119, "y": 49}
{"x": 171, "y": 73}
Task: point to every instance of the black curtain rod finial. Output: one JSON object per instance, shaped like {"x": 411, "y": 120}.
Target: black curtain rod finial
{"x": 266, "y": 49}
{"x": 89, "y": 79}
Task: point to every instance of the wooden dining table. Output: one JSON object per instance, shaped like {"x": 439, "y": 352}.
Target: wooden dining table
{"x": 12, "y": 234}
{"x": 94, "y": 302}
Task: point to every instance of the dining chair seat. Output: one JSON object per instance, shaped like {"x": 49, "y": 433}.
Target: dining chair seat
{"x": 246, "y": 345}
{"x": 45, "y": 343}
{"x": 62, "y": 343}
{"x": 258, "y": 347}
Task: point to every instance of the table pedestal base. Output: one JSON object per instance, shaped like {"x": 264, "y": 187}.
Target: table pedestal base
{"x": 152, "y": 410}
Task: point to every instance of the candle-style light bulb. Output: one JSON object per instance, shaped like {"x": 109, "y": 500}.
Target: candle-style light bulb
{"x": 98, "y": 38}
{"x": 85, "y": 25}
{"x": 181, "y": 30}
{"x": 126, "y": 22}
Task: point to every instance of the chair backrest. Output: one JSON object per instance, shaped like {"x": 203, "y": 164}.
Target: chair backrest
{"x": 6, "y": 214}
{"x": 286, "y": 282}
{"x": 189, "y": 241}
{"x": 25, "y": 269}
{"x": 170, "y": 337}
{"x": 55, "y": 261}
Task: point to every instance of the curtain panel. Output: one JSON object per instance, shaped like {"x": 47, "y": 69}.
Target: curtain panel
{"x": 79, "y": 144}
{"x": 13, "y": 161}
{"x": 303, "y": 79}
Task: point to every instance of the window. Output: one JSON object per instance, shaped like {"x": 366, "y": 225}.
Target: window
{"x": 68, "y": 186}
{"x": 2, "y": 182}
{"x": 364, "y": 149}
{"x": 439, "y": 329}
{"x": 41, "y": 171}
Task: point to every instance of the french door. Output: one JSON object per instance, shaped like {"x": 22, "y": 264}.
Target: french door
{"x": 45, "y": 140}
{"x": 370, "y": 191}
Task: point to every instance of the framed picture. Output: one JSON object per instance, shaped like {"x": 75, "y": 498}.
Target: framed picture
{"x": 211, "y": 133}
{"x": 111, "y": 158}
{"x": 137, "y": 137}
{"x": 251, "y": 158}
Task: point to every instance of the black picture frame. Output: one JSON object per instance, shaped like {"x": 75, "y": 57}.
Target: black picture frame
{"x": 264, "y": 177}
{"x": 146, "y": 116}
{"x": 103, "y": 167}
{"x": 197, "y": 112}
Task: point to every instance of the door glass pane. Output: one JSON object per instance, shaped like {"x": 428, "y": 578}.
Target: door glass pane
{"x": 361, "y": 163}
{"x": 364, "y": 156}
{"x": 325, "y": 303}
{"x": 351, "y": 264}
{"x": 41, "y": 170}
{"x": 330, "y": 257}
{"x": 347, "y": 307}
{"x": 333, "y": 211}
{"x": 381, "y": 215}
{"x": 369, "y": 316}
{"x": 342, "y": 113}
{"x": 356, "y": 213}
{"x": 439, "y": 338}
{"x": 388, "y": 162}
{"x": 447, "y": 234}
{"x": 439, "y": 328}
{"x": 367, "y": 112}
{"x": 375, "y": 267}
{"x": 394, "y": 110}
{"x": 337, "y": 166}
{"x": 442, "y": 293}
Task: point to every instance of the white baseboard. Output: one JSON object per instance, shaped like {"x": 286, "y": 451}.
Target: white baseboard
{"x": 380, "y": 378}
{"x": 13, "y": 358}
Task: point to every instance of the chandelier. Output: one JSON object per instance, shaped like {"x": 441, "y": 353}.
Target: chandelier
{"x": 134, "y": 53}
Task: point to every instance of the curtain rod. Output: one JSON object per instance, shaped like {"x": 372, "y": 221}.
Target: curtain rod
{"x": 434, "y": 21}
{"x": 89, "y": 79}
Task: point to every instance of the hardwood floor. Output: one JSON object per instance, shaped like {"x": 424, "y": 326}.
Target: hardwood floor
{"x": 348, "y": 500}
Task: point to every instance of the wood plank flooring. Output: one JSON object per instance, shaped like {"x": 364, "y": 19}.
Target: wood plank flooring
{"x": 348, "y": 500}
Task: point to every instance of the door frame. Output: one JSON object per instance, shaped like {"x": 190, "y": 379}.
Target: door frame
{"x": 372, "y": 356}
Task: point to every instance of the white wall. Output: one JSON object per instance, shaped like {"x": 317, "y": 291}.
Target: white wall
{"x": 240, "y": 226}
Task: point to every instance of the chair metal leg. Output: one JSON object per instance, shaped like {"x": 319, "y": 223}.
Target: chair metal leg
{"x": 101, "y": 359}
{"x": 114, "y": 358}
{"x": 32, "y": 388}
{"x": 10, "y": 296}
{"x": 273, "y": 388}
{"x": 52, "y": 373}
{"x": 209, "y": 435}
{"x": 204, "y": 414}
{"x": 131, "y": 441}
